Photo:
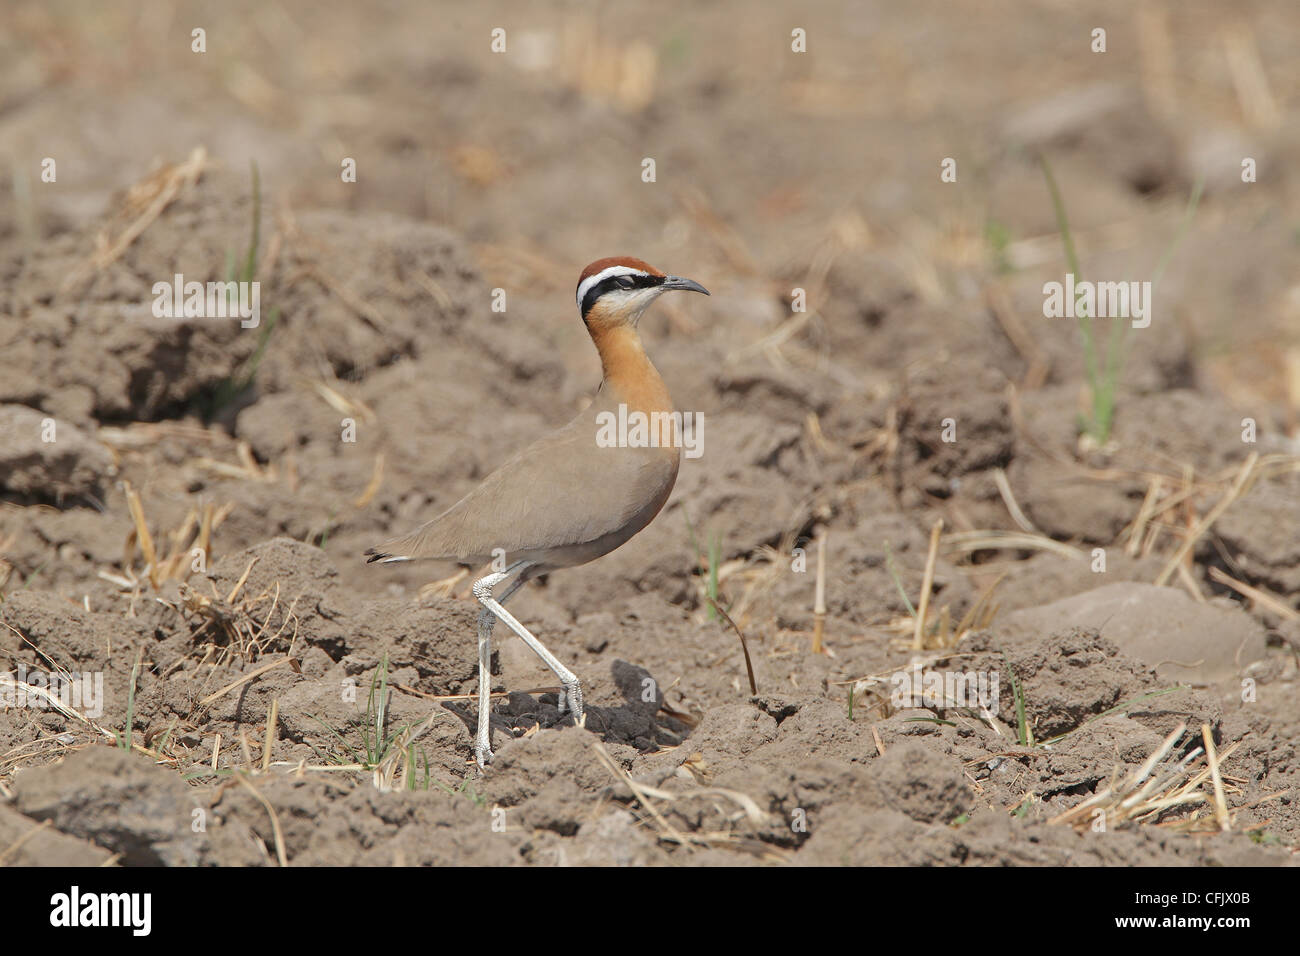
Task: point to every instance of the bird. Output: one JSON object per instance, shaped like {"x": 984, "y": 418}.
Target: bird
{"x": 573, "y": 495}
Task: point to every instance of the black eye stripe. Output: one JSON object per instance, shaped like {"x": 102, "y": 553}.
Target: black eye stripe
{"x": 615, "y": 282}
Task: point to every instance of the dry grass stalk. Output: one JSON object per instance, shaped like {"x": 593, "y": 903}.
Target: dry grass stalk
{"x": 1138, "y": 526}
{"x": 641, "y": 794}
{"x": 142, "y": 536}
{"x": 1013, "y": 507}
{"x": 385, "y": 776}
{"x": 49, "y": 661}
{"x": 1167, "y": 505}
{"x": 819, "y": 600}
{"x": 27, "y": 691}
{"x": 1119, "y": 800}
{"x": 1189, "y": 581}
{"x": 145, "y": 202}
{"x": 364, "y": 310}
{"x": 250, "y": 676}
{"x": 1212, "y": 761}
{"x": 272, "y": 714}
{"x": 1147, "y": 793}
{"x": 981, "y": 613}
{"x": 344, "y": 404}
{"x": 1158, "y": 60}
{"x": 646, "y": 797}
{"x": 376, "y": 481}
{"x": 744, "y": 645}
{"x": 882, "y": 443}
{"x": 1249, "y": 78}
{"x": 943, "y": 636}
{"x": 824, "y": 445}
{"x": 278, "y": 835}
{"x": 1260, "y": 597}
{"x": 874, "y": 683}
{"x": 444, "y": 586}
{"x": 927, "y": 582}
{"x": 139, "y": 435}
{"x": 1189, "y": 542}
{"x": 239, "y": 585}
{"x": 244, "y": 623}
{"x": 435, "y": 290}
{"x": 248, "y": 468}
{"x": 991, "y": 540}
{"x": 178, "y": 563}
{"x": 758, "y": 572}
{"x": 1038, "y": 363}
{"x": 499, "y": 694}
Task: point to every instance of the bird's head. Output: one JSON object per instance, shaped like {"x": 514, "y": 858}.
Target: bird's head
{"x": 617, "y": 290}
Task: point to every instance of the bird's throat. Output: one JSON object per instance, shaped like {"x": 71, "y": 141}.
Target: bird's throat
{"x": 628, "y": 372}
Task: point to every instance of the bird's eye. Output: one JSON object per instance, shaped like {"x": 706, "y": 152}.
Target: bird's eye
{"x": 626, "y": 282}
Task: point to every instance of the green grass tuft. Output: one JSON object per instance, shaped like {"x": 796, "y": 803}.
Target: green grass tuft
{"x": 229, "y": 389}
{"x": 998, "y": 236}
{"x": 124, "y": 737}
{"x": 1024, "y": 734}
{"x": 1103, "y": 379}
{"x": 711, "y": 561}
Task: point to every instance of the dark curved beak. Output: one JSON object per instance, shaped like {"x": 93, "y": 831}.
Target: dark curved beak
{"x": 684, "y": 285}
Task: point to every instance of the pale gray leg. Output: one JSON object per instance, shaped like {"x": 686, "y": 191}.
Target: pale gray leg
{"x": 486, "y": 618}
{"x": 571, "y": 696}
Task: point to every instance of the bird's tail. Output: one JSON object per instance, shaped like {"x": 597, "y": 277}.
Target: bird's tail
{"x": 423, "y": 542}
{"x": 383, "y": 557}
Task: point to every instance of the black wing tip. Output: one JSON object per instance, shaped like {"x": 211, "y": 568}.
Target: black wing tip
{"x": 372, "y": 555}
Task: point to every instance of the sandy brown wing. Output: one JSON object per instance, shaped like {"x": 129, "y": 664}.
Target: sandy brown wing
{"x": 562, "y": 490}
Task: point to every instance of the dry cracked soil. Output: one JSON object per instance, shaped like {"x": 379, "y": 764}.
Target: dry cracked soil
{"x": 184, "y": 502}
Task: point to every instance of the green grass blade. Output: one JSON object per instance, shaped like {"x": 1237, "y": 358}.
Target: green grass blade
{"x": 124, "y": 739}
{"x": 898, "y": 582}
{"x": 1024, "y": 736}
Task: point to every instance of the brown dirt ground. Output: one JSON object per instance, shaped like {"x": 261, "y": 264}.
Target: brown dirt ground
{"x": 774, "y": 170}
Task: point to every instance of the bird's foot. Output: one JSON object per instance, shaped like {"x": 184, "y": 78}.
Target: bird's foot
{"x": 482, "y": 755}
{"x": 570, "y": 701}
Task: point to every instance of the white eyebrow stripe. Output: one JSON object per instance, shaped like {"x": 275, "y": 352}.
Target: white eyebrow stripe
{"x": 585, "y": 286}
